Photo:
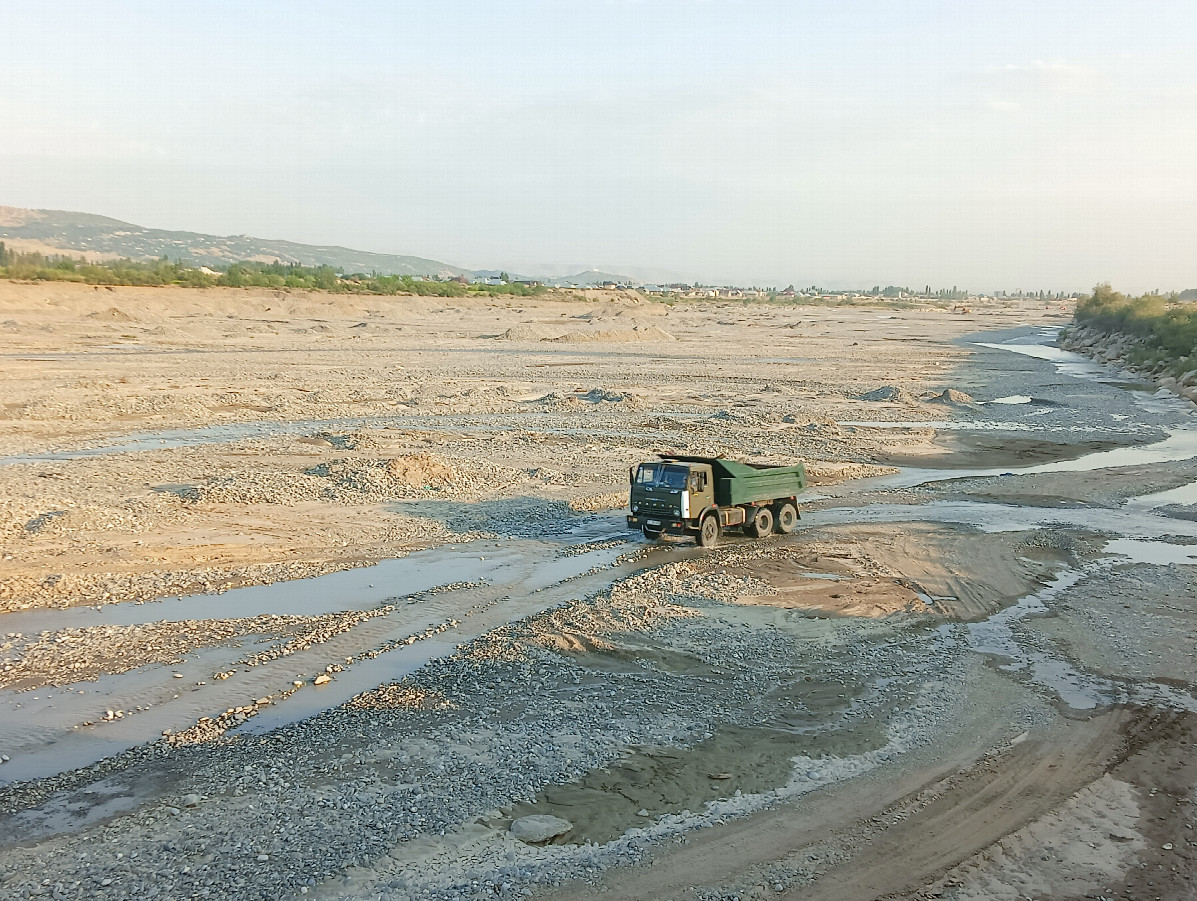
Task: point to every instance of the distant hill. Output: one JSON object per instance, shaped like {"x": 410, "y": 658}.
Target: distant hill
{"x": 590, "y": 277}
{"x": 87, "y": 233}
{"x": 586, "y": 279}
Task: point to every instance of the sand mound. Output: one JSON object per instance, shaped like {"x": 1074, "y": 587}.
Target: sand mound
{"x": 384, "y": 478}
{"x": 581, "y": 398}
{"x": 951, "y": 396}
{"x": 891, "y": 393}
{"x": 528, "y": 333}
{"x": 615, "y": 336}
{"x": 420, "y": 470}
{"x": 418, "y": 475}
{"x": 112, "y": 314}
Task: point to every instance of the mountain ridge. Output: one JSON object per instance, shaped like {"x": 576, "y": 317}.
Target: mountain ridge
{"x": 68, "y": 231}
{"x": 85, "y": 233}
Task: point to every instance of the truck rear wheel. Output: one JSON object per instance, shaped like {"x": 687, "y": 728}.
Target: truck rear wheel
{"x": 787, "y": 518}
{"x": 708, "y": 535}
{"x": 762, "y": 523}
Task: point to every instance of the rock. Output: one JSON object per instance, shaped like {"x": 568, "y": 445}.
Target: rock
{"x": 539, "y": 827}
{"x": 262, "y": 858}
{"x": 191, "y": 800}
{"x": 322, "y": 679}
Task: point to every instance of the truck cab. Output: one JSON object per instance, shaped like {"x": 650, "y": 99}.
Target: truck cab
{"x": 667, "y": 494}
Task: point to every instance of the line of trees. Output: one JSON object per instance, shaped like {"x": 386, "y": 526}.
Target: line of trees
{"x": 33, "y": 266}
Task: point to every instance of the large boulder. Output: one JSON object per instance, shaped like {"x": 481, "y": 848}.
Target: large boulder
{"x": 539, "y": 827}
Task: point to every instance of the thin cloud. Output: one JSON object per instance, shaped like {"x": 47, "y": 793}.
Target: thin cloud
{"x": 1052, "y": 77}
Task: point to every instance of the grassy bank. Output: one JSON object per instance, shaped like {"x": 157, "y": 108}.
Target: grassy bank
{"x": 1164, "y": 327}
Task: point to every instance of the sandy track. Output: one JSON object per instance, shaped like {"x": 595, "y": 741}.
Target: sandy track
{"x": 892, "y": 838}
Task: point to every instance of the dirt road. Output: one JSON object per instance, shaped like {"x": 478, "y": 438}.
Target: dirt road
{"x": 310, "y": 596}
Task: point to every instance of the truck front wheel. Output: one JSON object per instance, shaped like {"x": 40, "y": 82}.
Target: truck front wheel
{"x": 762, "y": 523}
{"x": 651, "y": 534}
{"x": 708, "y": 535}
{"x": 787, "y": 518}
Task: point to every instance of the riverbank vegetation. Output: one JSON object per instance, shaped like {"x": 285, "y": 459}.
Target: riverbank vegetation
{"x": 1165, "y": 326}
{"x": 41, "y": 267}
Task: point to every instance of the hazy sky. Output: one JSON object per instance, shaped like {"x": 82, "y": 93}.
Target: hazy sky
{"x": 987, "y": 144}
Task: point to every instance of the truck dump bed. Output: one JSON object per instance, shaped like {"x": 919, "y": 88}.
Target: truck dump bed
{"x": 745, "y": 483}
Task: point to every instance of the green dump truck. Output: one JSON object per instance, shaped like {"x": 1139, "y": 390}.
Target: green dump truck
{"x": 702, "y": 496}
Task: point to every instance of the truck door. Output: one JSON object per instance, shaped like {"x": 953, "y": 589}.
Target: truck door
{"x": 701, "y": 489}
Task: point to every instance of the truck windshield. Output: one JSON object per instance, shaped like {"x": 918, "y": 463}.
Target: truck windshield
{"x": 662, "y": 475}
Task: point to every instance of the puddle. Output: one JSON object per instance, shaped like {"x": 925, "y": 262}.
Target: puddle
{"x": 1013, "y": 399}
{"x": 362, "y": 676}
{"x": 172, "y": 438}
{"x": 531, "y": 564}
{"x": 1156, "y": 553}
{"x": 1182, "y": 496}
{"x": 76, "y": 811}
{"x": 1179, "y": 445}
{"x": 995, "y": 636}
{"x": 943, "y": 425}
{"x": 991, "y": 517}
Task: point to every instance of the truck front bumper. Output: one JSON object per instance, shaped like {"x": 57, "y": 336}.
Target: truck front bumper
{"x": 668, "y": 526}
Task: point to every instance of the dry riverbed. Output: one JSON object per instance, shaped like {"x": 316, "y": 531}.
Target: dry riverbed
{"x": 311, "y": 596}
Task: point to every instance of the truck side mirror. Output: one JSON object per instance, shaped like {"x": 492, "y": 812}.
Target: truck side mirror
{"x": 632, "y": 475}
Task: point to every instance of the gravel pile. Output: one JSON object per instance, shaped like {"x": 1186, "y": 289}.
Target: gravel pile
{"x": 355, "y": 481}
{"x": 890, "y": 394}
